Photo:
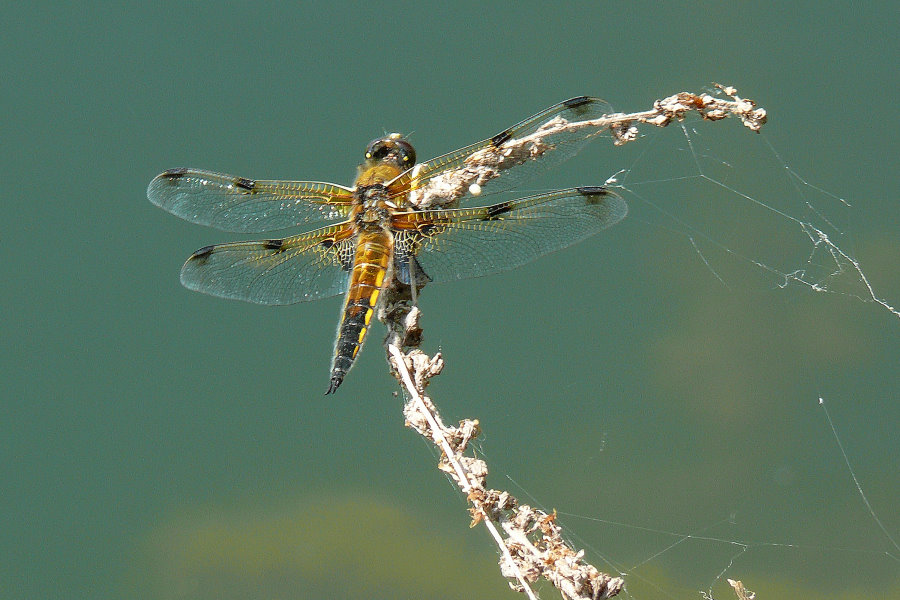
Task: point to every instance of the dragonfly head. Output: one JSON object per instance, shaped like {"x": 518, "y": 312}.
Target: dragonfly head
{"x": 391, "y": 149}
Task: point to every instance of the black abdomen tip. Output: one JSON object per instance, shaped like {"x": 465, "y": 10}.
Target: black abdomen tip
{"x": 336, "y": 380}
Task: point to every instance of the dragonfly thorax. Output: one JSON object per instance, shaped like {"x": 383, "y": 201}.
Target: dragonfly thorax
{"x": 373, "y": 218}
{"x": 373, "y": 203}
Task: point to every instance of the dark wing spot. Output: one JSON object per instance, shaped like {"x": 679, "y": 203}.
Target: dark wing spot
{"x": 244, "y": 183}
{"x": 499, "y": 139}
{"x": 326, "y": 244}
{"x": 576, "y": 102}
{"x": 273, "y": 244}
{"x": 428, "y": 229}
{"x": 202, "y": 255}
{"x": 494, "y": 212}
{"x": 174, "y": 173}
{"x": 593, "y": 192}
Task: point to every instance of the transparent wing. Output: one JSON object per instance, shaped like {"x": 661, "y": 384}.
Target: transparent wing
{"x": 512, "y": 155}
{"x": 471, "y": 242}
{"x": 238, "y": 204}
{"x": 280, "y": 271}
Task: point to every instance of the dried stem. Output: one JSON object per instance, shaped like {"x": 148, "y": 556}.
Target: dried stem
{"x": 741, "y": 592}
{"x": 462, "y": 476}
{"x": 491, "y": 162}
{"x": 530, "y": 543}
{"x": 533, "y": 546}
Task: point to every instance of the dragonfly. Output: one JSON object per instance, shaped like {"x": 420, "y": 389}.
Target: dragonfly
{"x": 401, "y": 223}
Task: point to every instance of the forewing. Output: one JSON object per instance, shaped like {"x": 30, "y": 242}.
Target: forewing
{"x": 280, "y": 271}
{"x": 238, "y": 204}
{"x": 505, "y": 160}
{"x": 471, "y": 242}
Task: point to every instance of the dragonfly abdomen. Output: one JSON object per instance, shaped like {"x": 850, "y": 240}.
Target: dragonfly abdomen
{"x": 367, "y": 280}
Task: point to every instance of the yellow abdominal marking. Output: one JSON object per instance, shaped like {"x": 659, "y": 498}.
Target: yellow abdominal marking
{"x": 362, "y": 334}
{"x": 368, "y": 316}
{"x": 374, "y": 297}
{"x": 379, "y": 278}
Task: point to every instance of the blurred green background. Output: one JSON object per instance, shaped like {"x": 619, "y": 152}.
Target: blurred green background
{"x": 159, "y": 443}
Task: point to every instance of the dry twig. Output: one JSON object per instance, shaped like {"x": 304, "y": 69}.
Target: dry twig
{"x": 530, "y": 543}
{"x": 739, "y": 589}
{"x": 533, "y": 546}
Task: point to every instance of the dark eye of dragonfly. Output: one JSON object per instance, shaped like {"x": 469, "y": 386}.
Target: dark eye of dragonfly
{"x": 406, "y": 153}
{"x": 393, "y": 149}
